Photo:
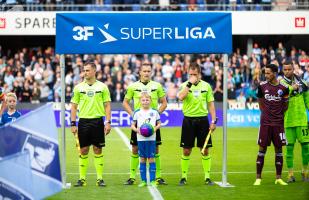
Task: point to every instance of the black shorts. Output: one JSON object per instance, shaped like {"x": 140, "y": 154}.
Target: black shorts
{"x": 194, "y": 127}
{"x": 91, "y": 132}
{"x": 133, "y": 140}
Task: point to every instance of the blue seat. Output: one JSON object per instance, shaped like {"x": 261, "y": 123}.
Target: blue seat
{"x": 136, "y": 7}
{"x": 183, "y": 7}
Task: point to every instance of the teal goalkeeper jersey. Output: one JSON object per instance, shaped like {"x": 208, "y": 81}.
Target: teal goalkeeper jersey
{"x": 296, "y": 114}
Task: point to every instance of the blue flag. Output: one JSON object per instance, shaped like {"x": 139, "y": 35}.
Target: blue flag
{"x": 35, "y": 134}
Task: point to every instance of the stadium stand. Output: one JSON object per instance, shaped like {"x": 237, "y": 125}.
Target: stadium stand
{"x": 34, "y": 73}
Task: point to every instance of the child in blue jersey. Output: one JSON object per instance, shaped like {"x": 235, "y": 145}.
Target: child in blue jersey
{"x": 146, "y": 145}
{"x": 11, "y": 114}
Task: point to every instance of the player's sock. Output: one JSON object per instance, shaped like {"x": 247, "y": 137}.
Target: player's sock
{"x": 184, "y": 166}
{"x": 289, "y": 158}
{"x": 99, "y": 164}
{"x": 260, "y": 162}
{"x": 279, "y": 163}
{"x": 83, "y": 166}
{"x": 133, "y": 165}
{"x": 158, "y": 166}
{"x": 305, "y": 153}
{"x": 152, "y": 171}
{"x": 206, "y": 161}
{"x": 142, "y": 170}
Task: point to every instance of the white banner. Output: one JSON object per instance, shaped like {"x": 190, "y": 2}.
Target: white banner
{"x": 243, "y": 23}
{"x": 27, "y": 23}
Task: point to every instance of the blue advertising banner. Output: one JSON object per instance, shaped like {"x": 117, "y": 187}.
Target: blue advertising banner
{"x": 243, "y": 118}
{"x": 120, "y": 118}
{"x": 172, "y": 118}
{"x": 150, "y": 32}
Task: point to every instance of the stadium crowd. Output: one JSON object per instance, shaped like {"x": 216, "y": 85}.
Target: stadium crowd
{"x": 34, "y": 73}
{"x": 129, "y": 5}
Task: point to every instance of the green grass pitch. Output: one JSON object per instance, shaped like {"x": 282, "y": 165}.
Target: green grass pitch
{"x": 242, "y": 151}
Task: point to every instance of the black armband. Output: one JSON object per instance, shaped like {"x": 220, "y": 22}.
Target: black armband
{"x": 189, "y": 84}
{"x": 73, "y": 123}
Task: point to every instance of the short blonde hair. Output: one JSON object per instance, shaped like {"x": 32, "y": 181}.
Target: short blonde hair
{"x": 10, "y": 94}
{"x": 145, "y": 94}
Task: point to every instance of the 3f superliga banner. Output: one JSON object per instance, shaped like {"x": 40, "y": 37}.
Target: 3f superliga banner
{"x": 144, "y": 32}
{"x": 29, "y": 156}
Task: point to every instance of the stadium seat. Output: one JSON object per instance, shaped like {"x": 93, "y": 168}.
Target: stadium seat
{"x": 136, "y": 7}
{"x": 183, "y": 7}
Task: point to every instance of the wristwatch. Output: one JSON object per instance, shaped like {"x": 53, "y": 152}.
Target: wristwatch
{"x": 107, "y": 122}
{"x": 214, "y": 121}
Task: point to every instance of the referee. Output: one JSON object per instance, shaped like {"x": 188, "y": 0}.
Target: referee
{"x": 92, "y": 99}
{"x": 198, "y": 100}
{"x": 157, "y": 93}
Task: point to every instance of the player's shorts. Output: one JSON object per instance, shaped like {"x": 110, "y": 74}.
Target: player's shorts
{"x": 91, "y": 132}
{"x": 194, "y": 127}
{"x": 301, "y": 133}
{"x": 268, "y": 134}
{"x": 133, "y": 140}
{"x": 146, "y": 149}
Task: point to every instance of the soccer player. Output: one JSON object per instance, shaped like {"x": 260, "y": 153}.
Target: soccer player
{"x": 92, "y": 99}
{"x": 155, "y": 89}
{"x": 198, "y": 101}
{"x": 12, "y": 114}
{"x": 146, "y": 145}
{"x": 295, "y": 120}
{"x": 273, "y": 100}
{"x": 2, "y": 99}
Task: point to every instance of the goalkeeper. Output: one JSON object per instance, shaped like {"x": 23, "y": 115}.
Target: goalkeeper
{"x": 295, "y": 120}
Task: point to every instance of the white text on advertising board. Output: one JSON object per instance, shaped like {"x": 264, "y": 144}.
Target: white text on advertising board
{"x": 154, "y": 33}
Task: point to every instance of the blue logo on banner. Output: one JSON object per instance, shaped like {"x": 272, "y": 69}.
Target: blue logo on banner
{"x": 8, "y": 192}
{"x": 184, "y": 32}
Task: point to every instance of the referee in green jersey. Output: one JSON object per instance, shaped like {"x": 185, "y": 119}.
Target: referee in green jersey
{"x": 295, "y": 120}
{"x": 92, "y": 99}
{"x": 198, "y": 100}
{"x": 157, "y": 93}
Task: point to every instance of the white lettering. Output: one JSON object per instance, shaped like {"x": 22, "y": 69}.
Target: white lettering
{"x": 125, "y": 33}
{"x": 82, "y": 32}
{"x": 177, "y": 36}
{"x": 157, "y": 33}
{"x": 209, "y": 33}
{"x": 146, "y": 32}
{"x": 196, "y": 33}
{"x": 270, "y": 97}
{"x": 168, "y": 32}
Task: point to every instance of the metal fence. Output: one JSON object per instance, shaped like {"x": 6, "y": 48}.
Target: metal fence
{"x": 70, "y": 6}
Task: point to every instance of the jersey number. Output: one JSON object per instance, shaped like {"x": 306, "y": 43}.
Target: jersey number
{"x": 305, "y": 132}
{"x": 282, "y": 136}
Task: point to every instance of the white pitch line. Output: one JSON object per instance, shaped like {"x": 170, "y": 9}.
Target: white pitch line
{"x": 153, "y": 191}
{"x": 174, "y": 173}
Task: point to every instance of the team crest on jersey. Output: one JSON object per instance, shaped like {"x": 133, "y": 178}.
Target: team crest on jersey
{"x": 196, "y": 93}
{"x": 280, "y": 92}
{"x": 151, "y": 114}
{"x": 145, "y": 90}
{"x": 90, "y": 93}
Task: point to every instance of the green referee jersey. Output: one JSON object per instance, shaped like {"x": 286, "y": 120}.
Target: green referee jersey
{"x": 195, "y": 103}
{"x": 296, "y": 114}
{"x": 153, "y": 88}
{"x": 90, "y": 99}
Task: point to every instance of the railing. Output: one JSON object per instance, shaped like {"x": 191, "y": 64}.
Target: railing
{"x": 154, "y": 7}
